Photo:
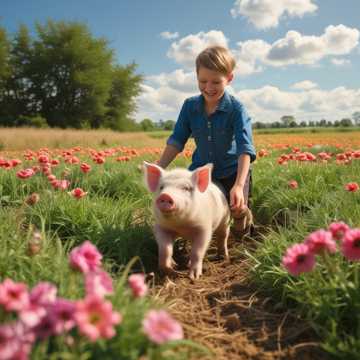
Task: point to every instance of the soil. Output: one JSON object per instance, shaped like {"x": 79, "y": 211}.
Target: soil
{"x": 225, "y": 312}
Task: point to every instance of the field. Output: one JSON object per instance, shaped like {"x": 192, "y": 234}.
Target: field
{"x": 59, "y": 188}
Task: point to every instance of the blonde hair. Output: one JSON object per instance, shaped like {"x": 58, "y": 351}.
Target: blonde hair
{"x": 216, "y": 58}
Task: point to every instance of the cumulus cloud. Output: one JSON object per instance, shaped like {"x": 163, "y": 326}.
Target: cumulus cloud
{"x": 304, "y": 85}
{"x": 178, "y": 80}
{"x": 296, "y": 48}
{"x": 186, "y": 49}
{"x": 264, "y": 14}
{"x": 265, "y": 104}
{"x": 169, "y": 35}
{"x": 253, "y": 56}
{"x": 340, "y": 61}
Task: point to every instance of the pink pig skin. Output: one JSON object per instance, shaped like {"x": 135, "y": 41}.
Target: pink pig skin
{"x": 187, "y": 204}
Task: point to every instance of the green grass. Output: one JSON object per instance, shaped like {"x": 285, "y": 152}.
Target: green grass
{"x": 116, "y": 216}
{"x": 328, "y": 297}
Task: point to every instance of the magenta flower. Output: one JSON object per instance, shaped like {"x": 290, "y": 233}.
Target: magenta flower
{"x": 338, "y": 229}
{"x": 15, "y": 341}
{"x": 95, "y": 318}
{"x": 43, "y": 293}
{"x": 98, "y": 283}
{"x": 138, "y": 285}
{"x": 85, "y": 257}
{"x": 62, "y": 315}
{"x": 299, "y": 259}
{"x": 350, "y": 246}
{"x": 13, "y": 296}
{"x": 320, "y": 241}
{"x": 160, "y": 327}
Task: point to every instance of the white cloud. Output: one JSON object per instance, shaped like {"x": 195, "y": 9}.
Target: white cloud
{"x": 340, "y": 61}
{"x": 168, "y": 35}
{"x": 178, "y": 80}
{"x": 264, "y": 14}
{"x": 304, "y": 85}
{"x": 248, "y": 56}
{"x": 185, "y": 50}
{"x": 265, "y": 104}
{"x": 296, "y": 48}
{"x": 253, "y": 55}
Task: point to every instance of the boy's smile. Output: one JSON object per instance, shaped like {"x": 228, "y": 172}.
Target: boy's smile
{"x": 212, "y": 84}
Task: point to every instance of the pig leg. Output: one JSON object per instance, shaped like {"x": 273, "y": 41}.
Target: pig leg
{"x": 222, "y": 235}
{"x": 198, "y": 249}
{"x": 165, "y": 240}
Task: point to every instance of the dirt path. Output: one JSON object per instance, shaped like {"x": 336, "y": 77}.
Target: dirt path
{"x": 226, "y": 313}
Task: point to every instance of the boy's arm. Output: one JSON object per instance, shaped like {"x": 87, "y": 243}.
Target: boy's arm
{"x": 168, "y": 155}
{"x": 242, "y": 170}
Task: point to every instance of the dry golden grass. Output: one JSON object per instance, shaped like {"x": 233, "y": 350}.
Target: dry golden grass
{"x": 15, "y": 139}
{"x": 29, "y": 138}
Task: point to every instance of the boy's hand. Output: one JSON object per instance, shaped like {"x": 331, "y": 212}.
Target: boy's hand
{"x": 237, "y": 201}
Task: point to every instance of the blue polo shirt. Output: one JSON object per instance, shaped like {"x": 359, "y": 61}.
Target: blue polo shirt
{"x": 220, "y": 138}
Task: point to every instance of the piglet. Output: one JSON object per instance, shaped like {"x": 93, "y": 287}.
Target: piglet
{"x": 187, "y": 204}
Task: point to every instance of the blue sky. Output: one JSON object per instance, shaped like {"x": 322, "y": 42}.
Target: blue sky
{"x": 295, "y": 57}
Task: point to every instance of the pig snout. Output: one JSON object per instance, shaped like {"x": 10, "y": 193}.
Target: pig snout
{"x": 165, "y": 203}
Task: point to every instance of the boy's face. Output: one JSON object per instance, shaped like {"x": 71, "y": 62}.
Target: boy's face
{"x": 212, "y": 84}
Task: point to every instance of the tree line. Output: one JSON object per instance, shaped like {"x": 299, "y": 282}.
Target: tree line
{"x": 64, "y": 77}
{"x": 289, "y": 121}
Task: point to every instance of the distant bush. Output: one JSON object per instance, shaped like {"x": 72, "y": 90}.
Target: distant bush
{"x": 36, "y": 121}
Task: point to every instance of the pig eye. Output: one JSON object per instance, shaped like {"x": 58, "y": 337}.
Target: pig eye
{"x": 161, "y": 187}
{"x": 187, "y": 188}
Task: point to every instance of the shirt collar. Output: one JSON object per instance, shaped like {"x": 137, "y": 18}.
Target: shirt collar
{"x": 224, "y": 105}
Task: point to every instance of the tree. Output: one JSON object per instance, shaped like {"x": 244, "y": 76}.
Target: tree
{"x": 71, "y": 73}
{"x": 5, "y": 73}
{"x": 346, "y": 122}
{"x": 356, "y": 118}
{"x": 287, "y": 120}
{"x": 169, "y": 125}
{"x": 303, "y": 124}
{"x": 322, "y": 123}
{"x": 121, "y": 103}
{"x": 147, "y": 125}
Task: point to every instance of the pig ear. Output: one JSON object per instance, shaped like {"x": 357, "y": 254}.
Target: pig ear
{"x": 202, "y": 177}
{"x": 152, "y": 174}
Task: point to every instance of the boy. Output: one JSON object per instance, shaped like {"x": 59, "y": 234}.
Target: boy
{"x": 222, "y": 132}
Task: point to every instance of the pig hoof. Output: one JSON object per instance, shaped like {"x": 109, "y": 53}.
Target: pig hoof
{"x": 168, "y": 271}
{"x": 195, "y": 274}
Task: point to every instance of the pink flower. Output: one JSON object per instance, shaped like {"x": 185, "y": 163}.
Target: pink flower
{"x": 138, "y": 285}
{"x": 338, "y": 229}
{"x": 13, "y": 296}
{"x": 293, "y": 184}
{"x": 351, "y": 244}
{"x": 352, "y": 187}
{"x": 320, "y": 241}
{"x": 60, "y": 184}
{"x": 95, "y": 318}
{"x": 25, "y": 174}
{"x": 43, "y": 293}
{"x": 85, "y": 257}
{"x": 98, "y": 283}
{"x": 298, "y": 259}
{"x": 85, "y": 168}
{"x": 15, "y": 341}
{"x": 160, "y": 327}
{"x": 62, "y": 314}
{"x": 41, "y": 297}
{"x": 78, "y": 193}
